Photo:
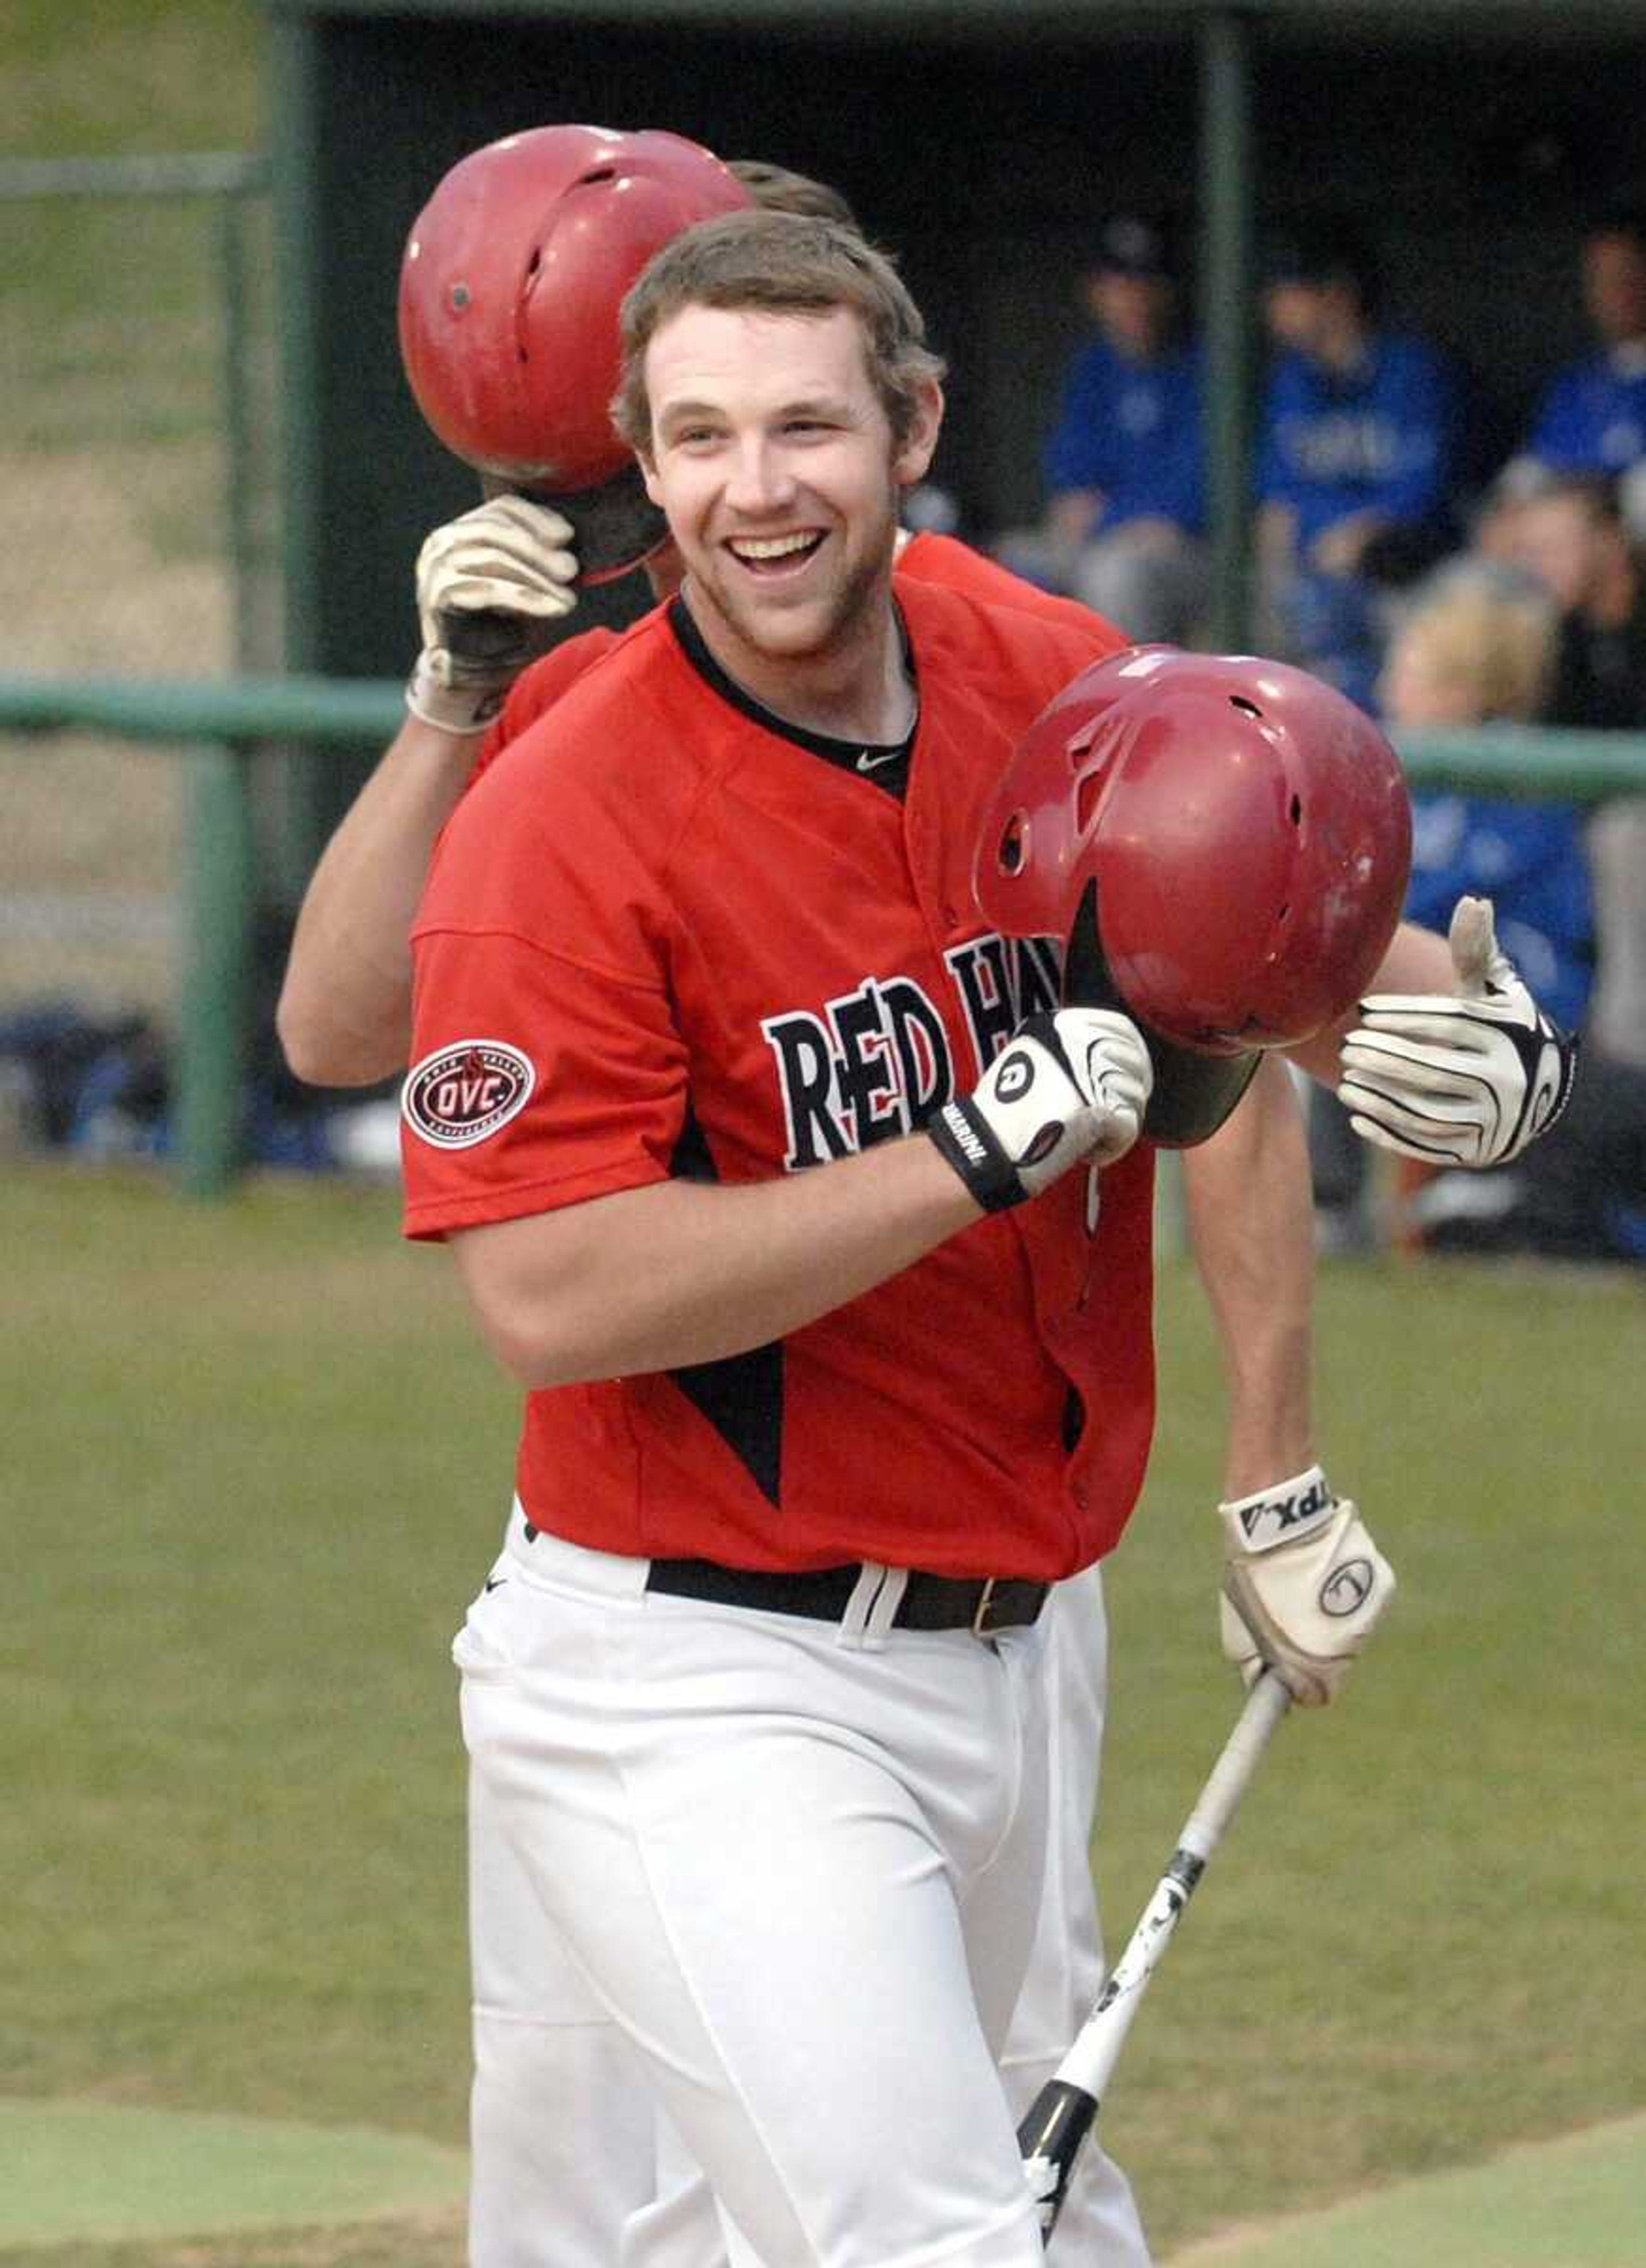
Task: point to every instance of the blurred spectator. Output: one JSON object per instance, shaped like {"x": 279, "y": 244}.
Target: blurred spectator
{"x": 1499, "y": 512}
{"x": 1569, "y": 534}
{"x": 1477, "y": 648}
{"x": 1593, "y": 418}
{"x": 1124, "y": 465}
{"x": 1356, "y": 457}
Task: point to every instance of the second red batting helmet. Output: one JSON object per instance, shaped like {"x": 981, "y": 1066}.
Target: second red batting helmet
{"x": 1223, "y": 844}
{"x": 509, "y": 292}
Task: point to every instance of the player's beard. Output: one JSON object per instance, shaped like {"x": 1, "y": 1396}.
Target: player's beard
{"x": 823, "y": 627}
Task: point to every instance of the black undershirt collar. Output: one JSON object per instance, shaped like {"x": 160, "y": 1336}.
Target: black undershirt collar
{"x": 884, "y": 765}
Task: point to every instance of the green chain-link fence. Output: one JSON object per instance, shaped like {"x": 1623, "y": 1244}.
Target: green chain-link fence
{"x": 138, "y": 494}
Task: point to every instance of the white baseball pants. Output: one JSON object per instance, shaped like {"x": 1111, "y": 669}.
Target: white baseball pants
{"x": 568, "y": 2165}
{"x": 802, "y": 1874}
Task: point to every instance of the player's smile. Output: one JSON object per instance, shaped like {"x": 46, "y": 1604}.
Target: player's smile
{"x": 774, "y": 558}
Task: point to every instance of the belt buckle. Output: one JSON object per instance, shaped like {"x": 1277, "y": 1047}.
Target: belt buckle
{"x": 985, "y": 1603}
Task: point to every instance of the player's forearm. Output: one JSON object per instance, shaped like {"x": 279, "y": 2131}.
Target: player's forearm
{"x": 686, "y": 1272}
{"x": 1252, "y": 1222}
{"x": 344, "y": 1016}
{"x": 1418, "y": 961}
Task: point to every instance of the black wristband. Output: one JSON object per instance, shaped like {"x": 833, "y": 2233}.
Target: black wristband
{"x": 964, "y": 1138}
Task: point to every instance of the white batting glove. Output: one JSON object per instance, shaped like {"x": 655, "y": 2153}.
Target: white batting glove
{"x": 1468, "y": 1081}
{"x": 490, "y": 588}
{"x": 1065, "y": 1087}
{"x": 1304, "y": 1585}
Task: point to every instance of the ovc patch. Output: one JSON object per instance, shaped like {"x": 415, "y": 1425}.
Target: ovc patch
{"x": 464, "y": 1093}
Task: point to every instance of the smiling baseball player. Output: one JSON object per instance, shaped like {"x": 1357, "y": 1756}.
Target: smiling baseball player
{"x": 538, "y": 2187}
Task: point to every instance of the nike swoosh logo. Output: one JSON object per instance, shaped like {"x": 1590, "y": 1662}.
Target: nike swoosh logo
{"x": 495, "y": 1582}
{"x": 872, "y": 763}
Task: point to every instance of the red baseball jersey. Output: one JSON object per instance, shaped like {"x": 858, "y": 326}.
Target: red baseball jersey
{"x": 663, "y": 935}
{"x": 940, "y": 559}
{"x": 929, "y": 558}
{"x": 537, "y": 689}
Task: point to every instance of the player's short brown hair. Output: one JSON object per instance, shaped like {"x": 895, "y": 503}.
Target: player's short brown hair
{"x": 779, "y": 263}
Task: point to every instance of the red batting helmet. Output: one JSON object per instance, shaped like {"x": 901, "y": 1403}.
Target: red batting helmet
{"x": 1222, "y": 843}
{"x": 510, "y": 287}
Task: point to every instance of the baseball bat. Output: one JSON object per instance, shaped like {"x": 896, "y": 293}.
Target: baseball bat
{"x": 1055, "y": 2126}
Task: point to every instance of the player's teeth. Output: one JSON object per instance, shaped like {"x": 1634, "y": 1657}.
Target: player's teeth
{"x": 774, "y": 547}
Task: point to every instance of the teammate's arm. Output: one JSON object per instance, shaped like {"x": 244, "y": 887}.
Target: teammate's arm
{"x": 1251, "y": 1222}
{"x": 1458, "y": 1062}
{"x": 1303, "y": 1585}
{"x": 1467, "y": 1079}
{"x": 683, "y": 1272}
{"x": 493, "y": 586}
{"x": 344, "y": 1012}
{"x": 1417, "y": 960}
{"x": 1449, "y": 1059}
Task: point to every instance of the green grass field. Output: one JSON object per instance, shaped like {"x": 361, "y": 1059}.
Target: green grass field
{"x": 256, "y": 1462}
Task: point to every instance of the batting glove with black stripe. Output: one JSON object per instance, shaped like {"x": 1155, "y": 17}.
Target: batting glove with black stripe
{"x": 1468, "y": 1081}
{"x": 493, "y": 587}
{"x": 1304, "y": 1585}
{"x": 1065, "y": 1087}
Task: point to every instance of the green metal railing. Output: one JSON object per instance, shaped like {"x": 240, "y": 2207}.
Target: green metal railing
{"x": 224, "y": 723}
